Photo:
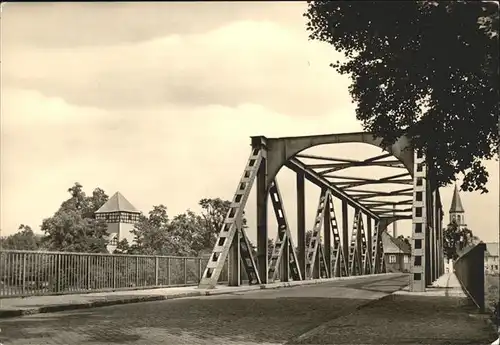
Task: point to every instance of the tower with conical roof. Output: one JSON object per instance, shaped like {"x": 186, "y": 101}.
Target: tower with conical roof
{"x": 120, "y": 216}
{"x": 457, "y": 212}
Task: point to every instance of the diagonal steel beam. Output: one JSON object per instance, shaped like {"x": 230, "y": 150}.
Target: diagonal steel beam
{"x": 394, "y": 192}
{"x": 341, "y": 166}
{"x": 381, "y": 211}
{"x": 364, "y": 162}
{"x": 373, "y": 203}
{"x": 391, "y": 163}
{"x": 366, "y": 179}
{"x": 323, "y": 158}
{"x": 352, "y": 184}
{"x": 298, "y": 166}
{"x": 376, "y": 195}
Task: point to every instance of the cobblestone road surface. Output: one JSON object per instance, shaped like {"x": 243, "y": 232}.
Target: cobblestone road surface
{"x": 260, "y": 317}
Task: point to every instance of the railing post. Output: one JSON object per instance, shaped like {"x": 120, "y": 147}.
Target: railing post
{"x": 24, "y": 272}
{"x": 137, "y": 271}
{"x": 156, "y": 270}
{"x": 185, "y": 271}
{"x": 168, "y": 271}
{"x": 113, "y": 268}
{"x": 58, "y": 273}
{"x": 200, "y": 273}
{"x": 89, "y": 258}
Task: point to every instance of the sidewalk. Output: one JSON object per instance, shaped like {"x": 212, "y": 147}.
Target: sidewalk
{"x": 12, "y": 307}
{"x": 445, "y": 286}
{"x": 442, "y": 315}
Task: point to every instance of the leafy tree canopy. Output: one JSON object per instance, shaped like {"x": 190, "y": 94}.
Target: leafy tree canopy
{"x": 427, "y": 69}
{"x": 406, "y": 239}
{"x": 73, "y": 227}
{"x": 185, "y": 234}
{"x": 24, "y": 239}
{"x": 455, "y": 239}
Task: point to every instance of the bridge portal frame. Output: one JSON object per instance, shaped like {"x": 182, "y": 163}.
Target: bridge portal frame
{"x": 364, "y": 254}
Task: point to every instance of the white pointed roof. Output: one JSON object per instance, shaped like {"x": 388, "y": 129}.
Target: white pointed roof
{"x": 117, "y": 203}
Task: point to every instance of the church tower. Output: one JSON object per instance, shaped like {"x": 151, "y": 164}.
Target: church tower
{"x": 457, "y": 212}
{"x": 120, "y": 216}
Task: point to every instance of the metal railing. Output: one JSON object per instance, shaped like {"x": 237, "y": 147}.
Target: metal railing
{"x": 32, "y": 273}
{"x": 469, "y": 269}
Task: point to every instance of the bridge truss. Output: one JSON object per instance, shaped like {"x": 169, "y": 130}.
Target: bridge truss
{"x": 359, "y": 251}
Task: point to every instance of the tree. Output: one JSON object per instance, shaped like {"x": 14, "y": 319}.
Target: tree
{"x": 270, "y": 247}
{"x": 406, "y": 240}
{"x": 426, "y": 69}
{"x": 68, "y": 231}
{"x": 157, "y": 235}
{"x": 73, "y": 227}
{"x": 24, "y": 239}
{"x": 456, "y": 238}
{"x": 308, "y": 239}
{"x": 187, "y": 234}
{"x": 151, "y": 233}
{"x": 122, "y": 247}
{"x": 214, "y": 212}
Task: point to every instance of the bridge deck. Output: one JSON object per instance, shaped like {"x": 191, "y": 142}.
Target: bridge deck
{"x": 338, "y": 312}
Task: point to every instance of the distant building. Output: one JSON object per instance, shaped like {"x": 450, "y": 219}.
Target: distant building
{"x": 397, "y": 253}
{"x": 457, "y": 215}
{"x": 457, "y": 212}
{"x": 491, "y": 258}
{"x": 120, "y": 216}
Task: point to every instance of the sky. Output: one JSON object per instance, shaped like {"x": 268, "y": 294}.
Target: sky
{"x": 158, "y": 101}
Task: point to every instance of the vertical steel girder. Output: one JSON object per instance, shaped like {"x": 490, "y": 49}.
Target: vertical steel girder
{"x": 362, "y": 254}
{"x": 284, "y": 250}
{"x": 427, "y": 244}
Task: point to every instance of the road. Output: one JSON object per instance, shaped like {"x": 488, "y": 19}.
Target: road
{"x": 258, "y": 317}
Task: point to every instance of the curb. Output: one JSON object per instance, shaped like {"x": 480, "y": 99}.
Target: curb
{"x": 10, "y": 313}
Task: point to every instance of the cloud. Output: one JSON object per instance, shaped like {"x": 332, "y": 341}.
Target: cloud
{"x": 239, "y": 63}
{"x": 70, "y": 25}
{"x": 172, "y": 155}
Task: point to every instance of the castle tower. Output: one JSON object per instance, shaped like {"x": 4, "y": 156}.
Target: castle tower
{"x": 120, "y": 216}
{"x": 457, "y": 212}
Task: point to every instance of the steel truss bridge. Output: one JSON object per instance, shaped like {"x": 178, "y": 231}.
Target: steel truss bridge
{"x": 359, "y": 251}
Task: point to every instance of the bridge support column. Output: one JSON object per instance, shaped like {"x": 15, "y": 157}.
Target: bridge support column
{"x": 419, "y": 226}
{"x": 440, "y": 239}
{"x": 369, "y": 240}
{"x": 345, "y": 232}
{"x": 432, "y": 238}
{"x": 262, "y": 235}
{"x": 301, "y": 223}
{"x": 234, "y": 265}
{"x": 435, "y": 227}
{"x": 428, "y": 232}
{"x": 285, "y": 261}
{"x": 327, "y": 243}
